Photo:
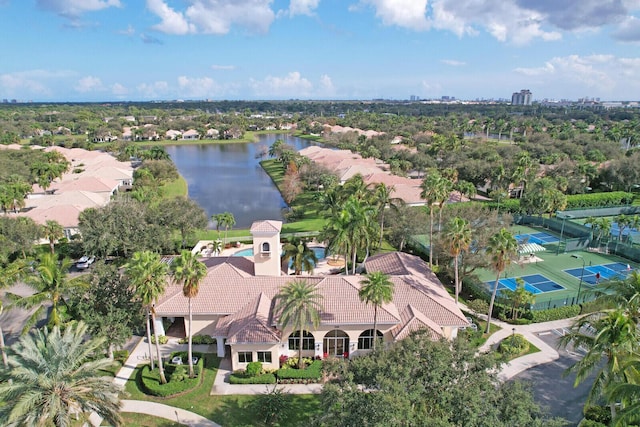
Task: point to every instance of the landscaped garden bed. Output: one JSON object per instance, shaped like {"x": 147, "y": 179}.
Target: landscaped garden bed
{"x": 177, "y": 376}
{"x": 289, "y": 373}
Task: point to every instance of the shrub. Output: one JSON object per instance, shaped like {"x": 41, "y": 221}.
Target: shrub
{"x": 312, "y": 372}
{"x": 514, "y": 345}
{"x": 150, "y": 382}
{"x": 272, "y": 405}
{"x": 241, "y": 377}
{"x": 162, "y": 339}
{"x": 555, "y": 313}
{"x": 254, "y": 369}
{"x": 292, "y": 362}
{"x": 199, "y": 339}
{"x": 478, "y": 305}
{"x": 598, "y": 414}
{"x": 179, "y": 374}
{"x": 121, "y": 356}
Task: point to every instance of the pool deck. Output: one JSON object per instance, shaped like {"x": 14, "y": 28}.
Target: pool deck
{"x": 322, "y": 266}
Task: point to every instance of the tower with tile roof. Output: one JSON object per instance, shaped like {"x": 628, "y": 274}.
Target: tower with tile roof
{"x": 266, "y": 247}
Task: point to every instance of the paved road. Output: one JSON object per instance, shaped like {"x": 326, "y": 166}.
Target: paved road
{"x": 551, "y": 388}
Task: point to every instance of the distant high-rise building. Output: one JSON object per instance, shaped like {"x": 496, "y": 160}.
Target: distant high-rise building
{"x": 521, "y": 98}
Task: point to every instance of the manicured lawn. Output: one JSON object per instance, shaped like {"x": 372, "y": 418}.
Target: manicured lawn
{"x": 228, "y": 411}
{"x": 175, "y": 188}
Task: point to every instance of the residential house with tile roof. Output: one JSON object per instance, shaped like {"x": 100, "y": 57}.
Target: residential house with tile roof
{"x": 236, "y": 305}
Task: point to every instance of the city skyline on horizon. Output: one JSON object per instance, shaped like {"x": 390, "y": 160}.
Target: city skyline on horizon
{"x": 162, "y": 50}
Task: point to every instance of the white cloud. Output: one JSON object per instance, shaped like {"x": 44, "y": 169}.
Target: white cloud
{"x": 293, "y": 85}
{"x": 155, "y": 90}
{"x": 628, "y": 30}
{"x": 607, "y": 75}
{"x": 30, "y": 82}
{"x": 172, "y": 22}
{"x": 453, "y": 62}
{"x": 302, "y": 7}
{"x": 75, "y": 8}
{"x": 213, "y": 16}
{"x": 223, "y": 67}
{"x": 326, "y": 86}
{"x": 89, "y": 84}
{"x": 403, "y": 13}
{"x": 128, "y": 32}
{"x": 119, "y": 89}
{"x": 202, "y": 87}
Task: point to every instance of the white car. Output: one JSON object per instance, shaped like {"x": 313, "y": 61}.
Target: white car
{"x": 84, "y": 262}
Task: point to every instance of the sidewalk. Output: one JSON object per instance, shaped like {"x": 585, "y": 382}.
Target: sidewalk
{"x": 514, "y": 367}
{"x": 221, "y": 384}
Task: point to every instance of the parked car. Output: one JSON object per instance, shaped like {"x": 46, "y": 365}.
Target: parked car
{"x": 85, "y": 262}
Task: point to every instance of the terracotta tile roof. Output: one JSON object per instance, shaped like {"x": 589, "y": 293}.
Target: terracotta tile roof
{"x": 250, "y": 324}
{"x": 413, "y": 320}
{"x": 266, "y": 226}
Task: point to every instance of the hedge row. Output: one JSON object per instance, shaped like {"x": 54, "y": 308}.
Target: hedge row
{"x": 241, "y": 378}
{"x": 199, "y": 339}
{"x": 574, "y": 201}
{"x": 313, "y": 372}
{"x": 177, "y": 381}
{"x": 555, "y": 313}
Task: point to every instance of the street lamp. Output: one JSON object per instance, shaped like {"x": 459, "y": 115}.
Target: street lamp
{"x": 563, "y": 216}
{"x": 581, "y": 275}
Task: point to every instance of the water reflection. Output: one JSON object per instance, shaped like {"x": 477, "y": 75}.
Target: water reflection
{"x": 228, "y": 177}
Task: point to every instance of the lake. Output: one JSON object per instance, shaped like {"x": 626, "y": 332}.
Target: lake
{"x": 228, "y": 178}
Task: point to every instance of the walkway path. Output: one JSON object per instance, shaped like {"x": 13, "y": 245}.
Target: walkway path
{"x": 221, "y": 386}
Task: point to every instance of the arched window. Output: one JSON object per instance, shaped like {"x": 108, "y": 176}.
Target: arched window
{"x": 266, "y": 248}
{"x": 308, "y": 341}
{"x": 365, "y": 340}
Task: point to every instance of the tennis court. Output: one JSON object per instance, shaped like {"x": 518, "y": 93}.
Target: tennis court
{"x": 540, "y": 238}
{"x": 534, "y": 283}
{"x": 616, "y": 270}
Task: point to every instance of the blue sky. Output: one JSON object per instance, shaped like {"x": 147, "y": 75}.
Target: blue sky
{"x": 139, "y": 50}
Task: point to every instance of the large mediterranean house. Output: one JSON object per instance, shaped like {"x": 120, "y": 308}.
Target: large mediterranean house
{"x": 236, "y": 305}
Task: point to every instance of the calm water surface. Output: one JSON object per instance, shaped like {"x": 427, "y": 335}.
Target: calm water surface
{"x": 228, "y": 177}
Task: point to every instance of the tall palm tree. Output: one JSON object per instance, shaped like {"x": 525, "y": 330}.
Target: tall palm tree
{"x": 376, "y": 289}
{"x": 227, "y": 221}
{"x": 383, "y": 198}
{"x": 458, "y": 237}
{"x": 616, "y": 338}
{"x": 148, "y": 277}
{"x": 502, "y": 248}
{"x": 431, "y": 192}
{"x": 300, "y": 255}
{"x": 188, "y": 271}
{"x": 52, "y": 231}
{"x": 299, "y": 305}
{"x": 53, "y": 377}
{"x": 51, "y": 283}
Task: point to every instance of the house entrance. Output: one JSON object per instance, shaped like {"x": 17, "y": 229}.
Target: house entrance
{"x": 336, "y": 343}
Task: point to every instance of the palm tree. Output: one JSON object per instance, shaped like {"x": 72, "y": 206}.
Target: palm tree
{"x": 54, "y": 376}
{"x": 300, "y": 255}
{"x": 299, "y": 306}
{"x": 227, "y": 220}
{"x": 458, "y": 237}
{"x": 52, "y": 231}
{"x": 189, "y": 272}
{"x": 616, "y": 338}
{"x": 429, "y": 193}
{"x": 50, "y": 283}
{"x": 502, "y": 248}
{"x": 383, "y": 198}
{"x": 148, "y": 277}
{"x": 376, "y": 289}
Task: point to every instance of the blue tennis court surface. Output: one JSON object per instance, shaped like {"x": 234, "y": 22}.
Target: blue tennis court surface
{"x": 535, "y": 283}
{"x": 539, "y": 238}
{"x": 616, "y": 270}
